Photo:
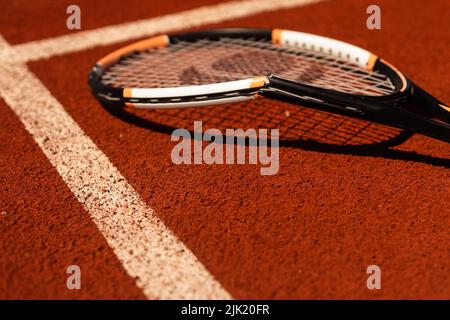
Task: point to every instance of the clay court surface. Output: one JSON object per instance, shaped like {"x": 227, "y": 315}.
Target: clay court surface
{"x": 84, "y": 185}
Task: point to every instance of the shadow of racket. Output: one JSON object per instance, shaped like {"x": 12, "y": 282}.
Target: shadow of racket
{"x": 298, "y": 126}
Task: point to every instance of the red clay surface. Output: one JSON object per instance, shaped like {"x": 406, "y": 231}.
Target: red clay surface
{"x": 44, "y": 229}
{"x": 35, "y": 20}
{"x": 308, "y": 232}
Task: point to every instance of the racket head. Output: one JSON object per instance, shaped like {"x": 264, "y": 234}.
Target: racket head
{"x": 233, "y": 65}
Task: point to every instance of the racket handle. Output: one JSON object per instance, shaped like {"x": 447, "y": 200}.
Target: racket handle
{"x": 421, "y": 112}
{"x": 428, "y": 127}
{"x": 425, "y": 102}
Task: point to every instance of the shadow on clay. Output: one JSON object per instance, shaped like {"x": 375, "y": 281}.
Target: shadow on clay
{"x": 302, "y": 128}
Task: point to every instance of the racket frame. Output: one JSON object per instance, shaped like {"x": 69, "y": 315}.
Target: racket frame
{"x": 391, "y": 109}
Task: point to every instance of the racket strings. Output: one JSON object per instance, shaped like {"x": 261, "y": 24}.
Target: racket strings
{"x": 338, "y": 72}
{"x": 294, "y": 123}
{"x": 205, "y": 61}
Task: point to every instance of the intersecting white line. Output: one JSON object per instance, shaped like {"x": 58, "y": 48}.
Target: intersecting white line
{"x": 46, "y": 48}
{"x": 164, "y": 268}
{"x": 161, "y": 264}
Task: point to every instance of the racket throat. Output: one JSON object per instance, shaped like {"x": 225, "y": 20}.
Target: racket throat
{"x": 308, "y": 96}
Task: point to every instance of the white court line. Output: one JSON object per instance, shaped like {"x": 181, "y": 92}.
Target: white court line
{"x": 46, "y": 48}
{"x": 161, "y": 264}
{"x": 164, "y": 268}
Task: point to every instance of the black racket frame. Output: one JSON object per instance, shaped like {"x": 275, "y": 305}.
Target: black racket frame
{"x": 409, "y": 107}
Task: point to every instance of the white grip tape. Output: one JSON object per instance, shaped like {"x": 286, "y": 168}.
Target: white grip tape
{"x": 204, "y": 103}
{"x": 339, "y": 49}
{"x": 186, "y": 91}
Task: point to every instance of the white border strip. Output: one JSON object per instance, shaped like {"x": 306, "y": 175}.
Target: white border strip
{"x": 164, "y": 268}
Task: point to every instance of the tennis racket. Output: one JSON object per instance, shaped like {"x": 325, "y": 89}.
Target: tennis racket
{"x": 233, "y": 65}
